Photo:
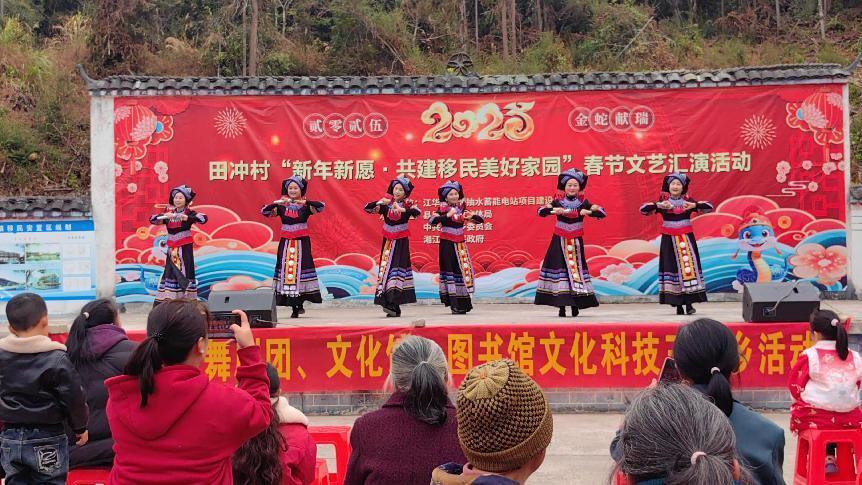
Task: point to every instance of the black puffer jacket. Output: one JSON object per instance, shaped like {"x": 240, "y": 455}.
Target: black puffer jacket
{"x": 109, "y": 351}
{"x": 39, "y": 385}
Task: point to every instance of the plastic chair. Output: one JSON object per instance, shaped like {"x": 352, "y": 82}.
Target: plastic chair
{"x": 88, "y": 476}
{"x": 811, "y": 457}
{"x": 338, "y": 436}
{"x": 321, "y": 473}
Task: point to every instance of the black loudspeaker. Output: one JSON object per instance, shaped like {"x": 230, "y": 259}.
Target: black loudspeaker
{"x": 259, "y": 305}
{"x": 779, "y": 302}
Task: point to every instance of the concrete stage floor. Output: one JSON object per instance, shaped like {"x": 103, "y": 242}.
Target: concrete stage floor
{"x": 337, "y": 314}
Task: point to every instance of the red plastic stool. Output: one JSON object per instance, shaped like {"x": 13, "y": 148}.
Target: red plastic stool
{"x": 88, "y": 476}
{"x": 338, "y": 436}
{"x": 811, "y": 457}
{"x": 321, "y": 473}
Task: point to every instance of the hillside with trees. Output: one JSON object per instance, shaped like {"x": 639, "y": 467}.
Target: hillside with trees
{"x": 44, "y": 109}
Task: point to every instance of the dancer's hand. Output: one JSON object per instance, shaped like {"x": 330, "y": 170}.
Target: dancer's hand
{"x": 586, "y": 212}
{"x": 451, "y": 212}
{"x": 558, "y": 211}
{"x": 468, "y": 214}
{"x": 664, "y": 205}
{"x": 184, "y": 217}
{"x": 242, "y": 332}
{"x": 383, "y": 201}
{"x": 689, "y": 205}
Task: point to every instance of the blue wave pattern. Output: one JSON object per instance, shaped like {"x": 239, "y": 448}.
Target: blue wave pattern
{"x": 138, "y": 282}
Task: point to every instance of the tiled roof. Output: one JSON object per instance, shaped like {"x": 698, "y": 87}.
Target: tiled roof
{"x": 579, "y": 81}
{"x": 44, "y": 207}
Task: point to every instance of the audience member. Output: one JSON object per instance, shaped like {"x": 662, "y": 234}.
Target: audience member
{"x": 672, "y": 435}
{"x": 415, "y": 430}
{"x": 99, "y": 350}
{"x": 40, "y": 394}
{"x": 825, "y": 381}
{"x": 706, "y": 354}
{"x": 504, "y": 426}
{"x": 170, "y": 423}
{"x": 284, "y": 453}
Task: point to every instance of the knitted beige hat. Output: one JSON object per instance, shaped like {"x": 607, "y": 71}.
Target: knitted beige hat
{"x": 503, "y": 417}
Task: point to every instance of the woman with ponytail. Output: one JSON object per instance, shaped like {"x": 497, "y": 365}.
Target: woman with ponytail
{"x": 824, "y": 382}
{"x": 671, "y": 435}
{"x": 706, "y": 355}
{"x": 99, "y": 350}
{"x": 170, "y": 423}
{"x": 416, "y": 430}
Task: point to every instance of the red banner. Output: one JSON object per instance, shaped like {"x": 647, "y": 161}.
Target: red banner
{"x": 312, "y": 359}
{"x": 777, "y": 150}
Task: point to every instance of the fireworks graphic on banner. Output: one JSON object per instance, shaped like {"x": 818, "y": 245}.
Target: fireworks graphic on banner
{"x": 230, "y": 122}
{"x": 758, "y": 132}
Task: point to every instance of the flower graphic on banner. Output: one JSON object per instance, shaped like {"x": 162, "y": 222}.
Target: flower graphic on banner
{"x": 230, "y": 123}
{"x": 826, "y": 265}
{"x": 137, "y": 126}
{"x": 822, "y": 114}
{"x": 758, "y": 132}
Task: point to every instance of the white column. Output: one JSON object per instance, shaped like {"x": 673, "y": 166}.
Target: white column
{"x": 102, "y": 191}
{"x": 854, "y": 233}
{"x": 854, "y": 213}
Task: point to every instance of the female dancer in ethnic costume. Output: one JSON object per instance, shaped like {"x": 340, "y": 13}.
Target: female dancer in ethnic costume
{"x": 295, "y": 279}
{"x": 178, "y": 279}
{"x": 680, "y": 276}
{"x": 564, "y": 279}
{"x": 395, "y": 277}
{"x": 456, "y": 270}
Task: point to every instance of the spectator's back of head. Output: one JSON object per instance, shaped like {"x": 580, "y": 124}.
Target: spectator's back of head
{"x": 673, "y": 432}
{"x": 420, "y": 372}
{"x": 504, "y": 421}
{"x": 706, "y": 352}
{"x": 175, "y": 329}
{"x": 25, "y": 311}
{"x": 274, "y": 382}
{"x": 830, "y": 327}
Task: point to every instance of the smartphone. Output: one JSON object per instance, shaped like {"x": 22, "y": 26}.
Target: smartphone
{"x": 669, "y": 372}
{"x": 219, "y": 326}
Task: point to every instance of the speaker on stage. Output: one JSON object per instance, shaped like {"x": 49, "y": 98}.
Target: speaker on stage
{"x": 259, "y": 305}
{"x": 779, "y": 302}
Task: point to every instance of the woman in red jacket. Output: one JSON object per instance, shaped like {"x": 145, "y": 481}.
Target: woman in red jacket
{"x": 170, "y": 423}
{"x": 284, "y": 453}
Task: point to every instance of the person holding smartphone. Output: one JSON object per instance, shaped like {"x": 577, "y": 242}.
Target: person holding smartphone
{"x": 170, "y": 423}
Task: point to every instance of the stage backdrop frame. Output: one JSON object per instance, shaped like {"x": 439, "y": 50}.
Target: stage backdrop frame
{"x": 134, "y": 119}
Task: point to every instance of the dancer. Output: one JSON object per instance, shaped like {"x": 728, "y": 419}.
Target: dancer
{"x": 456, "y": 270}
{"x": 564, "y": 279}
{"x": 395, "y": 278}
{"x": 295, "y": 279}
{"x": 178, "y": 279}
{"x": 680, "y": 278}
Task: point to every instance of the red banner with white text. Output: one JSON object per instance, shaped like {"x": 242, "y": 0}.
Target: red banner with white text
{"x": 775, "y": 150}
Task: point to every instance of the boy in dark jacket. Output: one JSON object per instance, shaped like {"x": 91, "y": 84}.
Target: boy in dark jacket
{"x": 40, "y": 392}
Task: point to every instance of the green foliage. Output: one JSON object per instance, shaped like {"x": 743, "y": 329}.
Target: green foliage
{"x": 44, "y": 135}
{"x": 548, "y": 54}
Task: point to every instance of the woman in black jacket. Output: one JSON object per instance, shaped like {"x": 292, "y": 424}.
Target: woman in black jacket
{"x": 99, "y": 349}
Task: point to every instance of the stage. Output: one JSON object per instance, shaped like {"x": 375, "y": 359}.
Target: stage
{"x": 338, "y": 314}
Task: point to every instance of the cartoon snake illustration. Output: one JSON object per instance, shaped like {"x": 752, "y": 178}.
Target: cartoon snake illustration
{"x": 755, "y": 236}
